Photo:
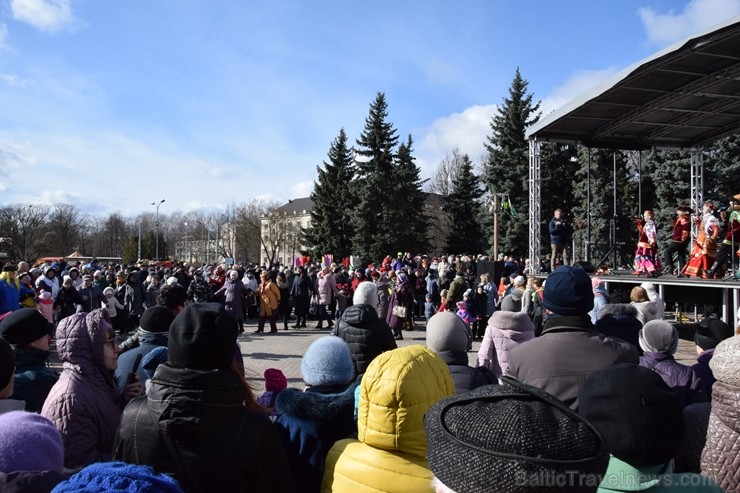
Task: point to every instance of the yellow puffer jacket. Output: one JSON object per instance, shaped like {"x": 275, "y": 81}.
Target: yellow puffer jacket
{"x": 397, "y": 390}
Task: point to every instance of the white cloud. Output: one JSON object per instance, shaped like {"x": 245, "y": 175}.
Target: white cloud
{"x": 45, "y": 15}
{"x": 299, "y": 190}
{"x": 580, "y": 82}
{"x": 467, "y": 131}
{"x": 698, "y": 15}
{"x": 13, "y": 80}
{"x": 4, "y": 43}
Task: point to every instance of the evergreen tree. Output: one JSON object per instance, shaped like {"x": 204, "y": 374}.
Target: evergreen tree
{"x": 602, "y": 206}
{"x": 667, "y": 181}
{"x": 330, "y": 230}
{"x": 409, "y": 198}
{"x": 462, "y": 208}
{"x": 374, "y": 237}
{"x": 507, "y": 166}
{"x": 559, "y": 168}
{"x": 722, "y": 170}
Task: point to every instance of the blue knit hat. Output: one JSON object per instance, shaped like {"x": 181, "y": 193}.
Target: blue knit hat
{"x": 328, "y": 361}
{"x": 568, "y": 291}
{"x": 118, "y": 477}
{"x": 29, "y": 442}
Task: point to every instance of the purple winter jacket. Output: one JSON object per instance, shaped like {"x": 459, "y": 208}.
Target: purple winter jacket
{"x": 702, "y": 370}
{"x": 85, "y": 404}
{"x": 682, "y": 380}
{"x": 505, "y": 331}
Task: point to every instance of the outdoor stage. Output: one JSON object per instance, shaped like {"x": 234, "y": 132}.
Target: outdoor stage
{"x": 693, "y": 295}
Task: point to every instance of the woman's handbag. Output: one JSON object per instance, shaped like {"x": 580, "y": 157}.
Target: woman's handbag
{"x": 399, "y": 311}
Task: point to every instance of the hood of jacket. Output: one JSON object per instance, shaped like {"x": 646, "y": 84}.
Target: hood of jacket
{"x": 80, "y": 340}
{"x": 317, "y": 406}
{"x": 359, "y": 314}
{"x": 397, "y": 390}
{"x": 190, "y": 404}
{"x": 513, "y": 324}
{"x": 618, "y": 311}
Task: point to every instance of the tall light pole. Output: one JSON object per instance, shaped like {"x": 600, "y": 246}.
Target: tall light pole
{"x": 156, "y": 223}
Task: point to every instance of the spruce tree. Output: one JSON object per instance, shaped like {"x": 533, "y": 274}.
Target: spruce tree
{"x": 666, "y": 184}
{"x": 374, "y": 236}
{"x": 507, "y": 166}
{"x": 722, "y": 170}
{"x": 330, "y": 230}
{"x": 410, "y": 200}
{"x": 463, "y": 208}
{"x": 559, "y": 165}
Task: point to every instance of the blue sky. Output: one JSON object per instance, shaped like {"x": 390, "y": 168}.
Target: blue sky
{"x": 112, "y": 105}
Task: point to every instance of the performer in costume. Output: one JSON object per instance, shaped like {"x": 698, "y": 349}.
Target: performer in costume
{"x": 705, "y": 246}
{"x": 680, "y": 241}
{"x": 646, "y": 256}
{"x": 732, "y": 217}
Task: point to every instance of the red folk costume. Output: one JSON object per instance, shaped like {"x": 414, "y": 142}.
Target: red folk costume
{"x": 646, "y": 255}
{"x": 705, "y": 246}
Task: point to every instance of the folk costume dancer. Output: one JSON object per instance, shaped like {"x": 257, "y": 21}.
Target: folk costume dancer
{"x": 646, "y": 256}
{"x": 680, "y": 241}
{"x": 732, "y": 217}
{"x": 705, "y": 246}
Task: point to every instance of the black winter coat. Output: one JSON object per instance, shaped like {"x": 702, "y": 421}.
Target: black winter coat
{"x": 218, "y": 444}
{"x": 365, "y": 333}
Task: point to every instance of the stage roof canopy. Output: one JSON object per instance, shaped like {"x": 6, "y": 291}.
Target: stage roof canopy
{"x": 683, "y": 96}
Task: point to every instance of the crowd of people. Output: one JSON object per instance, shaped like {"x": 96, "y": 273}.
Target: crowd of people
{"x": 574, "y": 388}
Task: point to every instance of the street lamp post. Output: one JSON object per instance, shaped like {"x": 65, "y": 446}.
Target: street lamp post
{"x": 156, "y": 223}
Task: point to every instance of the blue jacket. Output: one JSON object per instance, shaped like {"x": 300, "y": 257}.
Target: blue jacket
{"x": 308, "y": 425}
{"x": 10, "y": 294}
{"x": 147, "y": 342}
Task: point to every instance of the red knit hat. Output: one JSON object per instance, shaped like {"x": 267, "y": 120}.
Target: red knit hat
{"x": 275, "y": 380}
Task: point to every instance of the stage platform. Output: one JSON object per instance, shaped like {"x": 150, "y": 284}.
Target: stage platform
{"x": 721, "y": 297}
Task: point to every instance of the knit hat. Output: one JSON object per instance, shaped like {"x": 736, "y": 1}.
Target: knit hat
{"x": 658, "y": 336}
{"x": 156, "y": 319}
{"x": 710, "y": 332}
{"x": 10, "y": 268}
{"x": 520, "y": 281}
{"x": 29, "y": 442}
{"x": 514, "y": 436}
{"x": 202, "y": 337}
{"x": 328, "y": 361}
{"x": 24, "y": 326}
{"x": 118, "y": 477}
{"x": 275, "y": 380}
{"x": 635, "y": 411}
{"x": 461, "y": 305}
{"x": 7, "y": 363}
{"x": 568, "y": 291}
{"x": 108, "y": 290}
{"x": 366, "y": 293}
{"x": 447, "y": 332}
{"x": 511, "y": 304}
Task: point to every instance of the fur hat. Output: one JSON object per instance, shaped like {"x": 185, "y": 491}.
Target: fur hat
{"x": 447, "y": 332}
{"x": 514, "y": 436}
{"x": 202, "y": 337}
{"x": 119, "y": 477}
{"x": 366, "y": 293}
{"x": 568, "y": 291}
{"x": 635, "y": 411}
{"x": 658, "y": 336}
{"x": 24, "y": 326}
{"x": 109, "y": 290}
{"x": 10, "y": 268}
{"x": 29, "y": 442}
{"x": 709, "y": 332}
{"x": 156, "y": 319}
{"x": 328, "y": 361}
{"x": 275, "y": 380}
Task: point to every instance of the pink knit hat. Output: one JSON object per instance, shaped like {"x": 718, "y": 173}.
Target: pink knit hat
{"x": 275, "y": 380}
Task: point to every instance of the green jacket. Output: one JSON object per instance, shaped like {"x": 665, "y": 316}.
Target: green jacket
{"x": 621, "y": 476}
